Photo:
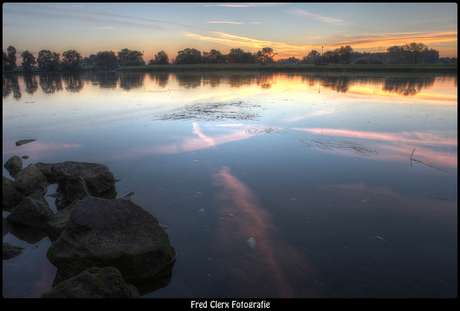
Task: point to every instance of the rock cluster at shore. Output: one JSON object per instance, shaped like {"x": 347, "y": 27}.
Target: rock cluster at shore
{"x": 90, "y": 229}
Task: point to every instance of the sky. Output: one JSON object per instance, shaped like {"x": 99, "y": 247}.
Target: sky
{"x": 290, "y": 29}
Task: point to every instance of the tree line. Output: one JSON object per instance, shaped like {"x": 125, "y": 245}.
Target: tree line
{"x": 413, "y": 53}
{"x": 410, "y": 53}
{"x": 107, "y": 60}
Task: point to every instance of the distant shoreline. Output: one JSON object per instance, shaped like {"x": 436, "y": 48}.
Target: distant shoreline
{"x": 276, "y": 67}
{"x": 297, "y": 68}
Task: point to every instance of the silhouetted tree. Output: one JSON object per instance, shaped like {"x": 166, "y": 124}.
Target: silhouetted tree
{"x": 71, "y": 60}
{"x": 9, "y": 60}
{"x": 128, "y": 57}
{"x": 105, "y": 61}
{"x": 48, "y": 60}
{"x": 89, "y": 61}
{"x": 161, "y": 58}
{"x": 237, "y": 55}
{"x": 213, "y": 57}
{"x": 266, "y": 55}
{"x": 345, "y": 54}
{"x": 28, "y": 61}
{"x": 431, "y": 57}
{"x": 189, "y": 56}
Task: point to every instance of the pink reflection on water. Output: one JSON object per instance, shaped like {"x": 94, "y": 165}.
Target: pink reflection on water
{"x": 37, "y": 146}
{"x": 266, "y": 268}
{"x": 399, "y": 146}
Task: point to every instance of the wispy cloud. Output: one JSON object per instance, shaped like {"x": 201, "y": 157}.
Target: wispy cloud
{"x": 391, "y": 39}
{"x": 224, "y": 22}
{"x": 104, "y": 28}
{"x": 235, "y": 41}
{"x": 229, "y": 5}
{"x": 318, "y": 17}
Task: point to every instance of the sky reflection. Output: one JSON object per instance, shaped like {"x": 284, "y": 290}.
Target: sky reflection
{"x": 316, "y": 168}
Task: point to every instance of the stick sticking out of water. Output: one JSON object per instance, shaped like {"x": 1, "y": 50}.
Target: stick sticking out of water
{"x": 411, "y": 157}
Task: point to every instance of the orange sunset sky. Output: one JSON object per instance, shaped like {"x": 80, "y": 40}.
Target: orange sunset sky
{"x": 291, "y": 29}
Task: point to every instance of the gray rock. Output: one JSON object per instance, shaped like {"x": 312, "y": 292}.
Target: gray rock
{"x": 94, "y": 282}
{"x": 24, "y": 141}
{"x": 10, "y": 196}
{"x": 98, "y": 177}
{"x": 115, "y": 233}
{"x": 58, "y": 221}
{"x": 45, "y": 168}
{"x": 33, "y": 211}
{"x": 13, "y": 165}
{"x": 76, "y": 188}
{"x": 30, "y": 179}
{"x": 10, "y": 251}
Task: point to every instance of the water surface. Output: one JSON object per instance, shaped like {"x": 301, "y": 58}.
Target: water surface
{"x": 271, "y": 185}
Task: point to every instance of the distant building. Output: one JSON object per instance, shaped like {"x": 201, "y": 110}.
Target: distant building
{"x": 290, "y": 60}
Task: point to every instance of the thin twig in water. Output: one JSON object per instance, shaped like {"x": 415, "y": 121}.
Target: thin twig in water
{"x": 425, "y": 164}
{"x": 411, "y": 157}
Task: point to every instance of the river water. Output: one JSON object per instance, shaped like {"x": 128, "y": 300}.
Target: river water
{"x": 271, "y": 185}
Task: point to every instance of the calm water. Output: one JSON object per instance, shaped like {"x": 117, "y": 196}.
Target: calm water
{"x": 272, "y": 185}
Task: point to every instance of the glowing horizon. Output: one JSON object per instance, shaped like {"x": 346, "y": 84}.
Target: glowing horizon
{"x": 291, "y": 29}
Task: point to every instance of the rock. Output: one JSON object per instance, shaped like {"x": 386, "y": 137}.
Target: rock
{"x": 10, "y": 251}
{"x": 45, "y": 168}
{"x": 6, "y": 227}
{"x": 24, "y": 141}
{"x": 129, "y": 194}
{"x": 30, "y": 179}
{"x": 94, "y": 282}
{"x": 76, "y": 188}
{"x": 33, "y": 211}
{"x": 58, "y": 221}
{"x": 98, "y": 177}
{"x": 11, "y": 196}
{"x": 13, "y": 165}
{"x": 116, "y": 233}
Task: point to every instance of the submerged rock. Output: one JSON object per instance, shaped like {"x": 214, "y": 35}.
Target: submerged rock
{"x": 115, "y": 233}
{"x": 24, "y": 141}
{"x": 94, "y": 282}
{"x": 10, "y": 251}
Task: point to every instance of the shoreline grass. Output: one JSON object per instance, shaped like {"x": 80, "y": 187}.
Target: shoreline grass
{"x": 274, "y": 67}
{"x": 297, "y": 68}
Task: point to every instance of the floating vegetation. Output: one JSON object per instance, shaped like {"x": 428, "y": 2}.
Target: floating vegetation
{"x": 213, "y": 112}
{"x": 425, "y": 164}
{"x": 268, "y": 130}
{"x": 330, "y": 145}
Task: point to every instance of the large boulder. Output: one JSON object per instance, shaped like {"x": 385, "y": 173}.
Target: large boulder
{"x": 13, "y": 165}
{"x": 33, "y": 211}
{"x": 97, "y": 177}
{"x": 116, "y": 233}
{"x": 30, "y": 179}
{"x": 94, "y": 283}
